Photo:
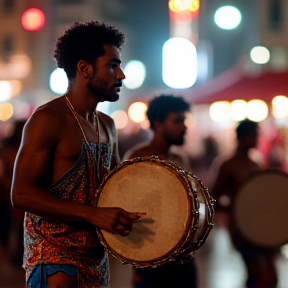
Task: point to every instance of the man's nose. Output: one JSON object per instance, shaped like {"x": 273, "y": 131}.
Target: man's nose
{"x": 120, "y": 74}
{"x": 184, "y": 126}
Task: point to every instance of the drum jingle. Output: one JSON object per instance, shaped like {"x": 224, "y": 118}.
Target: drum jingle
{"x": 179, "y": 211}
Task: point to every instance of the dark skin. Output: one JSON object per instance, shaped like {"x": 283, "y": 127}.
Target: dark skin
{"x": 235, "y": 170}
{"x": 56, "y": 147}
{"x": 171, "y": 131}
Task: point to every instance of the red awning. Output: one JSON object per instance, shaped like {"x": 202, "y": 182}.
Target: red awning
{"x": 234, "y": 84}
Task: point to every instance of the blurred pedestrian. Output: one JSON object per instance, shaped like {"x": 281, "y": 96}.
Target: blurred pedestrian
{"x": 11, "y": 220}
{"x": 232, "y": 173}
{"x": 166, "y": 114}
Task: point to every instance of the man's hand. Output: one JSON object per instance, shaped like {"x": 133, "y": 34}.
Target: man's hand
{"x": 114, "y": 220}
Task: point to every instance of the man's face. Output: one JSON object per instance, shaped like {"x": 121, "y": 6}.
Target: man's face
{"x": 174, "y": 128}
{"x": 108, "y": 75}
{"x": 251, "y": 140}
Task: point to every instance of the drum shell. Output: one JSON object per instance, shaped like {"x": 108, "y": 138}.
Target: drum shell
{"x": 203, "y": 215}
{"x": 193, "y": 236}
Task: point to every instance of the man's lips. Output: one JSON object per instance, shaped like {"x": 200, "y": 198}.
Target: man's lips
{"x": 117, "y": 88}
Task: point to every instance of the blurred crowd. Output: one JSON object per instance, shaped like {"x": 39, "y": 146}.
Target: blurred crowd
{"x": 270, "y": 154}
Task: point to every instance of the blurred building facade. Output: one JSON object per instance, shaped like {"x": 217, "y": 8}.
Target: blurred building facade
{"x": 273, "y": 29}
{"x": 26, "y": 56}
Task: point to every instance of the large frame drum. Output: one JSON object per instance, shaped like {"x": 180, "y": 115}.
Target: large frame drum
{"x": 179, "y": 211}
{"x": 261, "y": 209}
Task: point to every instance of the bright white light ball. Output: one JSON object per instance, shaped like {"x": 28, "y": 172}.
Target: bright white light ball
{"x": 257, "y": 110}
{"x": 5, "y": 91}
{"x": 179, "y": 66}
{"x": 280, "y": 107}
{"x": 58, "y": 81}
{"x": 227, "y": 17}
{"x": 220, "y": 111}
{"x": 135, "y": 73}
{"x": 260, "y": 55}
{"x": 239, "y": 110}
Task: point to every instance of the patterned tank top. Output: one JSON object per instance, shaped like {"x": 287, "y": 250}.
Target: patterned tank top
{"x": 48, "y": 241}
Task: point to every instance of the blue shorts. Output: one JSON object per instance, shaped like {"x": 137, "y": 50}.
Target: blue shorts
{"x": 39, "y": 274}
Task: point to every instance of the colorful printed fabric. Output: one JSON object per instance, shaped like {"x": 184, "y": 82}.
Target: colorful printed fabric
{"x": 76, "y": 243}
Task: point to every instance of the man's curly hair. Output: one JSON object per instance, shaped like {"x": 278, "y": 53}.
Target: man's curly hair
{"x": 85, "y": 41}
{"x": 162, "y": 105}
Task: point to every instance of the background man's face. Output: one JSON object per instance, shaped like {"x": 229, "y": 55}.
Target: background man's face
{"x": 175, "y": 128}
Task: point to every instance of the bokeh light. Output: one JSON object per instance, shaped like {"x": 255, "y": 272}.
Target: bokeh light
{"x": 260, "y": 55}
{"x": 184, "y": 5}
{"x": 137, "y": 111}
{"x": 5, "y": 91}
{"x": 6, "y": 111}
{"x": 227, "y": 17}
{"x": 16, "y": 87}
{"x": 135, "y": 73}
{"x": 257, "y": 110}
{"x": 121, "y": 119}
{"x": 280, "y": 107}
{"x": 239, "y": 110}
{"x": 18, "y": 67}
{"x": 33, "y": 19}
{"x": 219, "y": 111}
{"x": 58, "y": 81}
{"x": 22, "y": 109}
{"x": 179, "y": 65}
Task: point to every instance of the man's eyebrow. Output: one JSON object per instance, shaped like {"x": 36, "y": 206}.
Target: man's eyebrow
{"x": 116, "y": 60}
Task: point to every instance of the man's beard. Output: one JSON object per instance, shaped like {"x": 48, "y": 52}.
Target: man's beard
{"x": 175, "y": 141}
{"x": 100, "y": 87}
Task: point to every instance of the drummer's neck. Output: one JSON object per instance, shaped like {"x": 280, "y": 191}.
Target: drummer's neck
{"x": 159, "y": 146}
{"x": 242, "y": 151}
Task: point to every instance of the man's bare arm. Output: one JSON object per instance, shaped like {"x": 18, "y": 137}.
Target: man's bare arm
{"x": 31, "y": 162}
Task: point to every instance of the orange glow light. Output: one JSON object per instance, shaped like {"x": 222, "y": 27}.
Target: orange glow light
{"x": 178, "y": 6}
{"x": 33, "y": 19}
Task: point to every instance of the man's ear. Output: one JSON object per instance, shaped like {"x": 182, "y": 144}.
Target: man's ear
{"x": 84, "y": 69}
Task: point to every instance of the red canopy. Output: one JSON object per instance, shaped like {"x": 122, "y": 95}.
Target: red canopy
{"x": 235, "y": 84}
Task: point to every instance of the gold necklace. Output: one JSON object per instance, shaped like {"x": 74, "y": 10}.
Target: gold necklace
{"x": 95, "y": 117}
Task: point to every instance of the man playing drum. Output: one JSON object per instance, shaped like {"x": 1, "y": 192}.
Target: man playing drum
{"x": 166, "y": 114}
{"x": 232, "y": 173}
{"x": 67, "y": 148}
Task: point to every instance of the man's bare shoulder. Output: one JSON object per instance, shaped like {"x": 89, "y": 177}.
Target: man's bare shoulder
{"x": 47, "y": 118}
{"x": 54, "y": 107}
{"x": 140, "y": 150}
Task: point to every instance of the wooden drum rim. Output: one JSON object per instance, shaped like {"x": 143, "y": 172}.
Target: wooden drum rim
{"x": 184, "y": 245}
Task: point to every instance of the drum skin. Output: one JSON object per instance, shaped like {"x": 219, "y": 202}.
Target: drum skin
{"x": 179, "y": 211}
{"x": 260, "y": 211}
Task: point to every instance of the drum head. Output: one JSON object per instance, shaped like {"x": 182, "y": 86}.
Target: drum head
{"x": 154, "y": 188}
{"x": 261, "y": 209}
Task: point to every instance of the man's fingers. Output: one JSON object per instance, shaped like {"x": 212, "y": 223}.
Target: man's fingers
{"x": 136, "y": 215}
{"x": 122, "y": 230}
